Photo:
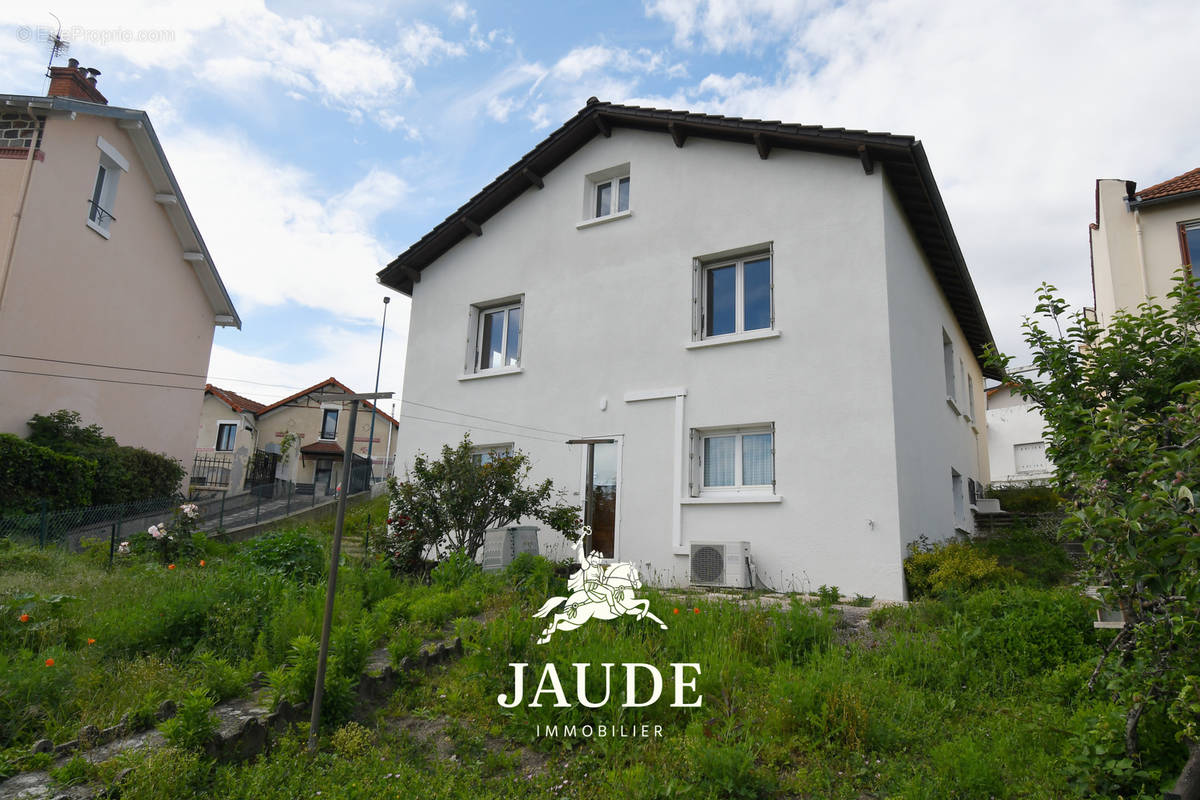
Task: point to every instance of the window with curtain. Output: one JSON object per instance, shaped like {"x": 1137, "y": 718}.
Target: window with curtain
{"x": 734, "y": 459}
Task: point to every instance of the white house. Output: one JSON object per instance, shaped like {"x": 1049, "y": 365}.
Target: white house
{"x": 1016, "y": 434}
{"x": 711, "y": 330}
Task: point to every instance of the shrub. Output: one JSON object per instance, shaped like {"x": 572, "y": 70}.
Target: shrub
{"x": 454, "y": 570}
{"x": 290, "y": 552}
{"x": 828, "y": 595}
{"x": 534, "y": 577}
{"x": 194, "y": 724}
{"x": 123, "y": 474}
{"x": 219, "y": 678}
{"x": 30, "y": 474}
{"x": 729, "y": 771}
{"x": 456, "y": 499}
{"x": 1028, "y": 499}
{"x": 952, "y": 567}
{"x": 403, "y": 644}
{"x": 351, "y": 740}
{"x": 801, "y": 632}
{"x": 1034, "y": 553}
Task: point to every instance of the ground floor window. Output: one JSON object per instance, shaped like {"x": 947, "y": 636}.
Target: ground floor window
{"x": 736, "y": 459}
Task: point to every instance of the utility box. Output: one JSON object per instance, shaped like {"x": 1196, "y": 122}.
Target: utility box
{"x": 502, "y": 545}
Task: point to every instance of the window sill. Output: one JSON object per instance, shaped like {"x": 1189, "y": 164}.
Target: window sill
{"x": 733, "y": 338}
{"x": 491, "y": 373}
{"x": 98, "y": 229}
{"x": 709, "y": 500}
{"x": 953, "y": 405}
{"x": 588, "y": 223}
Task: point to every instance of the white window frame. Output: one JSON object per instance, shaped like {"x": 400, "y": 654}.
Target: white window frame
{"x": 103, "y": 190}
{"x": 476, "y": 318}
{"x": 337, "y": 410}
{"x": 948, "y": 359}
{"x": 736, "y": 258}
{"x": 1030, "y": 470}
{"x": 484, "y": 453}
{"x": 596, "y": 181}
{"x": 696, "y": 485}
{"x": 233, "y": 443}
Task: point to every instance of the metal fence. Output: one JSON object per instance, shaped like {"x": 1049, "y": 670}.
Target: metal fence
{"x": 221, "y": 512}
{"x": 211, "y": 470}
{"x": 68, "y": 527}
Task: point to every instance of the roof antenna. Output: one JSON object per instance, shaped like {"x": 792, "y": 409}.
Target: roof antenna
{"x": 58, "y": 45}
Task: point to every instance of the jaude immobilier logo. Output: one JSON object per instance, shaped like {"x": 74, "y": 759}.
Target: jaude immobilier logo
{"x": 600, "y": 591}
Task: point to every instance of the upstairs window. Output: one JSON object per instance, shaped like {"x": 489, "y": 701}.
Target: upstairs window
{"x": 329, "y": 417}
{"x": 1189, "y": 245}
{"x": 497, "y": 336}
{"x": 734, "y": 293}
{"x": 226, "y": 434}
{"x": 948, "y": 364}
{"x": 104, "y": 188}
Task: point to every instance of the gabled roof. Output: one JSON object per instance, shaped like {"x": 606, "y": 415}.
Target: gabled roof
{"x": 233, "y": 400}
{"x": 903, "y": 156}
{"x": 1187, "y": 184}
{"x": 167, "y": 192}
{"x": 331, "y": 381}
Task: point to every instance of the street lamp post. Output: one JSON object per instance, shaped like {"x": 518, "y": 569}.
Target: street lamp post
{"x": 378, "y": 365}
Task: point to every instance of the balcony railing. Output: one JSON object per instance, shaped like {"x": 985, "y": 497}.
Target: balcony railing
{"x": 211, "y": 470}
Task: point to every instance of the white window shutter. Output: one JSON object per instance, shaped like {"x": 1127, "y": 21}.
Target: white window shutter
{"x": 695, "y": 469}
{"x": 772, "y": 458}
{"x": 697, "y": 294}
{"x": 771, "y": 254}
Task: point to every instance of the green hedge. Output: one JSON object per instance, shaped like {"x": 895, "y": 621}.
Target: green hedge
{"x": 30, "y": 474}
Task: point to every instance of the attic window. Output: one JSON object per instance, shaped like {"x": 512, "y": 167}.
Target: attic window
{"x": 606, "y": 194}
{"x": 104, "y": 188}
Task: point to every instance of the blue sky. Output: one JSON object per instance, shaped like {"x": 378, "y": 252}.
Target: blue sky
{"x": 313, "y": 146}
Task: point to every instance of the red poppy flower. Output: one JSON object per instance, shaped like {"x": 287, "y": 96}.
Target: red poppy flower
{"x": 170, "y": 566}
{"x": 202, "y": 562}
{"x": 24, "y": 618}
{"x": 49, "y": 662}
{"x": 91, "y": 641}
{"x": 677, "y": 611}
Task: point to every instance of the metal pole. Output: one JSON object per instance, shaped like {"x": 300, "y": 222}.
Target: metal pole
{"x": 378, "y": 365}
{"x": 334, "y": 555}
{"x": 112, "y": 544}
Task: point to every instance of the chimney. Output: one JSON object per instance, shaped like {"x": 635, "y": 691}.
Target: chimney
{"x": 75, "y": 81}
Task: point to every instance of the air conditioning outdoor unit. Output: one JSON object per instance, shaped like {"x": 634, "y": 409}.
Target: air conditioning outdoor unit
{"x": 502, "y": 545}
{"x": 720, "y": 564}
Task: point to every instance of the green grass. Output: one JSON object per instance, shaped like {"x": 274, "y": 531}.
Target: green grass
{"x": 968, "y": 695}
{"x": 122, "y": 640}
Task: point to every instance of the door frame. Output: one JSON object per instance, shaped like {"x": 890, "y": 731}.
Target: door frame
{"x": 587, "y": 442}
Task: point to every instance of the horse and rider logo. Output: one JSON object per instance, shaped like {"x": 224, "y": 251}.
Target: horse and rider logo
{"x": 598, "y": 591}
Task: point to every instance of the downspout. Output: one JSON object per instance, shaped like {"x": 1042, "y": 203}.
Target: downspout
{"x": 1141, "y": 252}
{"x": 11, "y": 245}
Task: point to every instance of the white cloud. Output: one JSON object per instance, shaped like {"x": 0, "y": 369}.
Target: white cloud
{"x": 423, "y": 44}
{"x": 276, "y": 236}
{"x": 1019, "y": 114}
{"x": 730, "y": 24}
{"x": 498, "y": 108}
{"x": 460, "y": 12}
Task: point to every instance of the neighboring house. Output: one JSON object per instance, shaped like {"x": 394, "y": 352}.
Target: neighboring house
{"x": 711, "y": 330}
{"x": 108, "y": 296}
{"x": 1016, "y": 438}
{"x": 1140, "y": 239}
{"x": 226, "y": 442}
{"x": 318, "y": 426}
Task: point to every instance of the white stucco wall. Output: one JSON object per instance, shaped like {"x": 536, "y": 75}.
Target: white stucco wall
{"x": 935, "y": 433}
{"x": 607, "y": 311}
{"x": 1013, "y": 422}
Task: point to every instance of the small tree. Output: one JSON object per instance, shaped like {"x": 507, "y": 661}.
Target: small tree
{"x": 453, "y": 501}
{"x": 1122, "y": 410}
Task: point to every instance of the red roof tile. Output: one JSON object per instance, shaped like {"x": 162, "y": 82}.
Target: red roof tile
{"x": 233, "y": 400}
{"x": 1180, "y": 184}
